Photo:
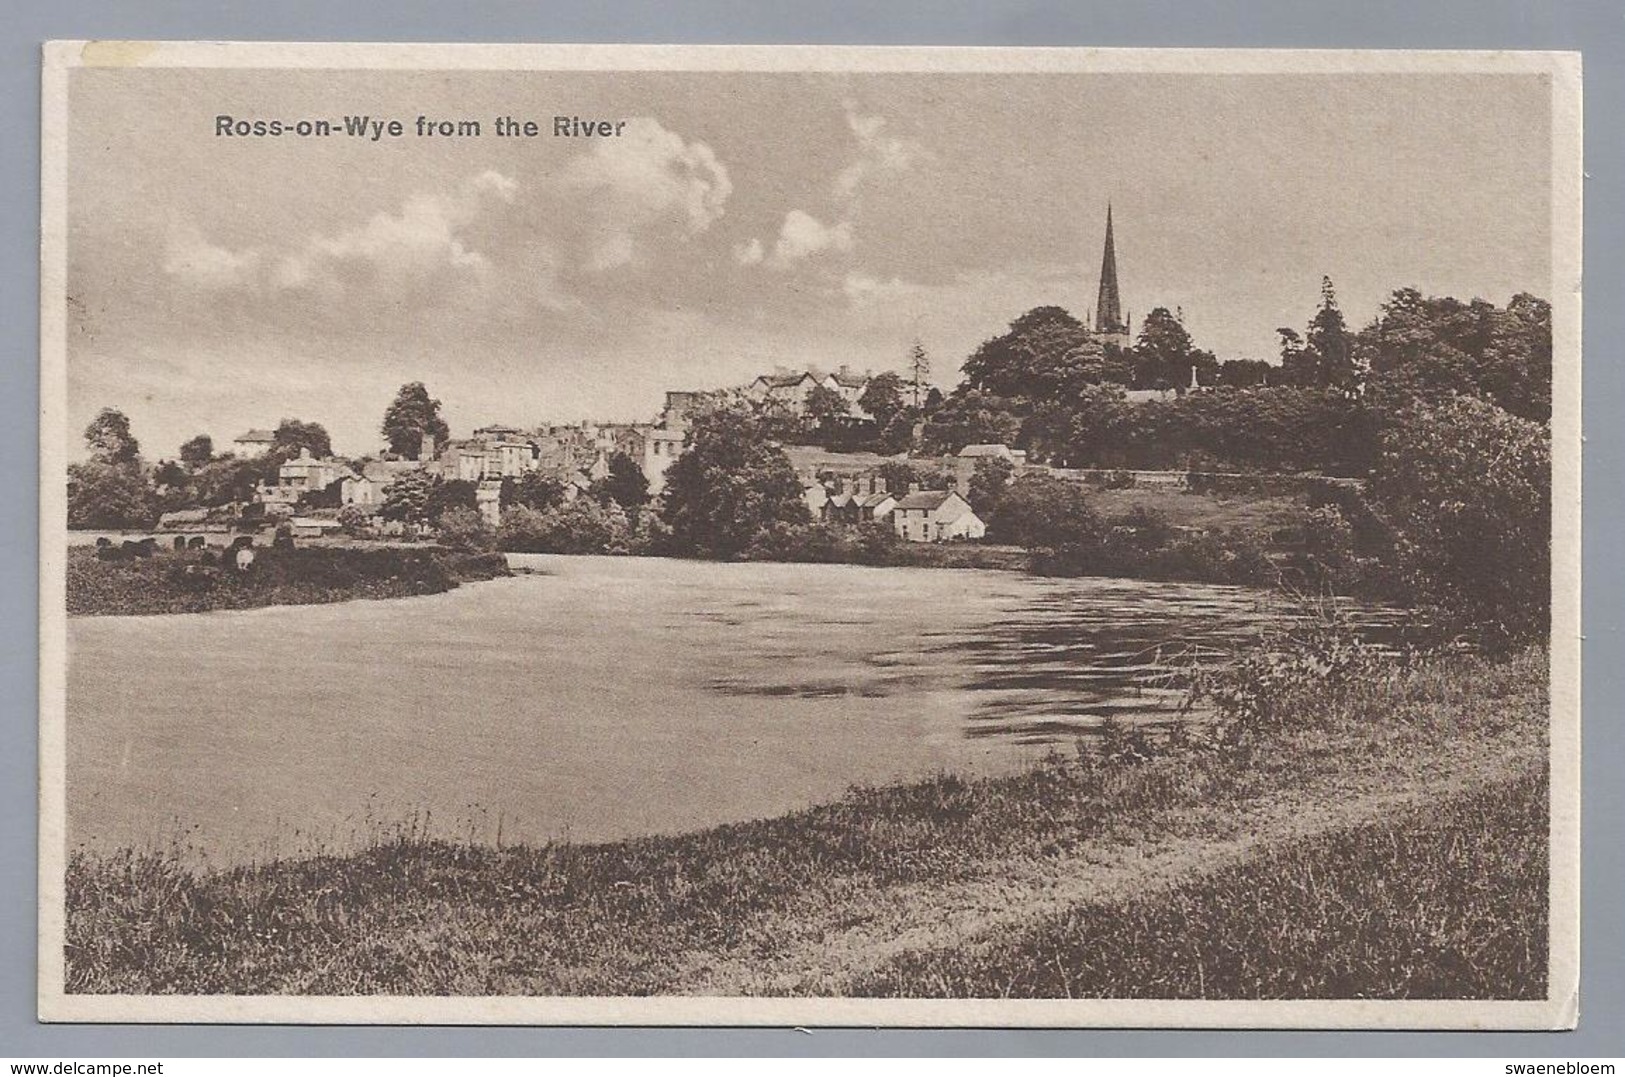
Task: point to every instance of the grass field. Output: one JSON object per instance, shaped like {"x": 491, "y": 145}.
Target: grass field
{"x": 1387, "y": 841}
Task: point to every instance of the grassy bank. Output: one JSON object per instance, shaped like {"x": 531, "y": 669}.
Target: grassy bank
{"x": 195, "y": 581}
{"x": 936, "y": 886}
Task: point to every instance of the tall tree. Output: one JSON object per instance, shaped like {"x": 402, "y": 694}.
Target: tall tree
{"x": 919, "y": 368}
{"x": 732, "y": 486}
{"x": 102, "y": 494}
{"x": 292, "y": 436}
{"x": 197, "y": 452}
{"x": 1163, "y": 352}
{"x": 1330, "y": 342}
{"x": 412, "y": 414}
{"x": 110, "y": 440}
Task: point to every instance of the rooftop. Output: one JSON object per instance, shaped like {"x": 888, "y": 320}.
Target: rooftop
{"x": 925, "y": 499}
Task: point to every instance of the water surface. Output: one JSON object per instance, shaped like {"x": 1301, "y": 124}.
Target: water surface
{"x": 600, "y": 698}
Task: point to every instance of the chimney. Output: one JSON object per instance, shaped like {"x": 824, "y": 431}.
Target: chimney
{"x": 913, "y": 487}
{"x": 847, "y": 486}
{"x": 426, "y": 447}
{"x": 880, "y": 484}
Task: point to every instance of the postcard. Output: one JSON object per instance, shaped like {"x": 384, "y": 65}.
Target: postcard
{"x": 809, "y": 536}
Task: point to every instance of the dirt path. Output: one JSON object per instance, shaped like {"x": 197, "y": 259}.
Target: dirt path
{"x": 828, "y": 948}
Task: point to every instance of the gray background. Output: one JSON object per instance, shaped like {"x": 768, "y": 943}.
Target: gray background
{"x": 1596, "y": 27}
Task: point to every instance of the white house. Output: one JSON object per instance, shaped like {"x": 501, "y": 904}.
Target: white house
{"x": 935, "y": 516}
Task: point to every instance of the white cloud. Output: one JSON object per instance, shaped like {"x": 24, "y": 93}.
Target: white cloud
{"x": 749, "y": 254}
{"x": 877, "y": 153}
{"x": 192, "y": 259}
{"x": 647, "y": 179}
{"x": 803, "y": 235}
{"x": 422, "y": 243}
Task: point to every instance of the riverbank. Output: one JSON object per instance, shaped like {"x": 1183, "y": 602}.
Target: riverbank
{"x": 1405, "y": 792}
{"x": 196, "y": 581}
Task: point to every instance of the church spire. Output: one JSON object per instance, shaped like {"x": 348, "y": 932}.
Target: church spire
{"x": 1108, "y": 310}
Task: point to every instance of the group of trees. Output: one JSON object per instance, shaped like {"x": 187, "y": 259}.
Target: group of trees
{"x": 116, "y": 488}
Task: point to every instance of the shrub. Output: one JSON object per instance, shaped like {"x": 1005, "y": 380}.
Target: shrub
{"x": 464, "y": 529}
{"x": 582, "y": 526}
{"x": 1467, "y": 488}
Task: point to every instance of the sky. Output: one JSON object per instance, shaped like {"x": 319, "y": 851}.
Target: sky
{"x": 741, "y": 222}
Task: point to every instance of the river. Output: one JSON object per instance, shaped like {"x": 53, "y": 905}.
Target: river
{"x": 595, "y": 698}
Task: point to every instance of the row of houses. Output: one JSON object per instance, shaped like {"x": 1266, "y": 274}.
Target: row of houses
{"x": 916, "y": 515}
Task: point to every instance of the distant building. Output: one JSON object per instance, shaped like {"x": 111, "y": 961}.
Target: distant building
{"x": 301, "y": 476}
{"x": 367, "y": 488}
{"x": 253, "y": 443}
{"x": 790, "y": 388}
{"x": 936, "y": 516}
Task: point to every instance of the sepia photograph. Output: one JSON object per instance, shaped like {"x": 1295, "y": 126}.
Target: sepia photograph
{"x": 791, "y": 535}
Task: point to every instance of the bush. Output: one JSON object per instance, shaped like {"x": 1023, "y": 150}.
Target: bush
{"x": 582, "y": 526}
{"x": 1467, "y": 488}
{"x": 464, "y": 529}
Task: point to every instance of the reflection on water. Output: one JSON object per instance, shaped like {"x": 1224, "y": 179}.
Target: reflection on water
{"x": 604, "y": 697}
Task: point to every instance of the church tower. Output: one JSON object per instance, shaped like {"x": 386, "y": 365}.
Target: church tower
{"x": 1109, "y": 324}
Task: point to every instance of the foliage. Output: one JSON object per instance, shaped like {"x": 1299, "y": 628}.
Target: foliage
{"x": 446, "y": 495}
{"x": 411, "y": 415}
{"x": 1164, "y": 354}
{"x": 883, "y": 397}
{"x": 102, "y": 494}
{"x": 625, "y": 484}
{"x": 292, "y": 436}
{"x": 731, "y": 486}
{"x": 463, "y": 528}
{"x": 824, "y": 405}
{"x": 110, "y": 439}
{"x": 581, "y": 526}
{"x": 407, "y": 498}
{"x": 355, "y": 520}
{"x": 989, "y": 478}
{"x": 1467, "y": 488}
{"x": 533, "y": 490}
{"x": 1040, "y": 511}
{"x": 1427, "y": 348}
{"x": 197, "y": 452}
{"x": 972, "y": 416}
{"x": 195, "y": 581}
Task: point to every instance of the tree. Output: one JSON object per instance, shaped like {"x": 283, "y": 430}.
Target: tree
{"x": 533, "y": 490}
{"x": 197, "y": 452}
{"x": 463, "y": 528}
{"x": 732, "y": 486}
{"x": 625, "y": 484}
{"x": 407, "y": 498}
{"x": 1331, "y": 344}
{"x": 1045, "y": 352}
{"x": 579, "y": 526}
{"x": 1467, "y": 486}
{"x": 1244, "y": 373}
{"x": 110, "y": 440}
{"x": 1163, "y": 352}
{"x": 824, "y": 405}
{"x": 987, "y": 484}
{"x": 972, "y": 417}
{"x": 447, "y": 494}
{"x": 882, "y": 397}
{"x": 411, "y": 415}
{"x": 101, "y": 494}
{"x": 1426, "y": 348}
{"x": 293, "y": 436}
{"x": 1040, "y": 511}
{"x": 919, "y": 367}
